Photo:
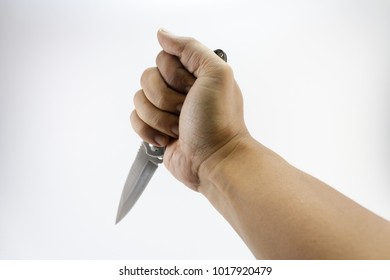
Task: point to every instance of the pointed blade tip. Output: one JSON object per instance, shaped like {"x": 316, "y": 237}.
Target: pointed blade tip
{"x": 121, "y": 214}
{"x": 117, "y": 220}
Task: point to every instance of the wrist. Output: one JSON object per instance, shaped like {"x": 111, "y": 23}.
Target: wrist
{"x": 215, "y": 173}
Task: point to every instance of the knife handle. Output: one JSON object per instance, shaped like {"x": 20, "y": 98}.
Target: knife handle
{"x": 221, "y": 54}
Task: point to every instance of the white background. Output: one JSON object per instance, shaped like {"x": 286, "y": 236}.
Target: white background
{"x": 315, "y": 79}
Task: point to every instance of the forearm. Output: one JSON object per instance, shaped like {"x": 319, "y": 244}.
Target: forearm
{"x": 284, "y": 213}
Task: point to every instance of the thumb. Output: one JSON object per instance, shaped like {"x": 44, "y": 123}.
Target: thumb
{"x": 195, "y": 57}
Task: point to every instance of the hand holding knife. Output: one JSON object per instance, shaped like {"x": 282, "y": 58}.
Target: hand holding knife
{"x": 146, "y": 162}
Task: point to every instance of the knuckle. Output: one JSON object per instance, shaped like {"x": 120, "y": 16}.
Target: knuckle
{"x": 156, "y": 121}
{"x": 176, "y": 80}
{"x": 132, "y": 117}
{"x": 225, "y": 72}
{"x": 190, "y": 42}
{"x": 160, "y": 102}
{"x": 137, "y": 96}
{"x": 160, "y": 57}
{"x": 191, "y": 57}
{"x": 134, "y": 121}
{"x": 186, "y": 80}
{"x": 156, "y": 97}
{"x": 145, "y": 77}
{"x": 139, "y": 127}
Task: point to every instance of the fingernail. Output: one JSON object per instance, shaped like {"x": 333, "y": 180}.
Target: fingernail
{"x": 175, "y": 130}
{"x": 179, "y": 107}
{"x": 165, "y": 31}
{"x": 160, "y": 140}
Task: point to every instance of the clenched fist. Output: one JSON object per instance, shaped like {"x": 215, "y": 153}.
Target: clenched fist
{"x": 189, "y": 103}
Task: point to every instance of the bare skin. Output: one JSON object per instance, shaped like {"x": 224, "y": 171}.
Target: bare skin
{"x": 191, "y": 104}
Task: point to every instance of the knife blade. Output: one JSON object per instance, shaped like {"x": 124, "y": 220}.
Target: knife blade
{"x": 145, "y": 165}
{"x": 142, "y": 170}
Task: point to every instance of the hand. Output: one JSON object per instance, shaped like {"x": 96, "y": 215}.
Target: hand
{"x": 191, "y": 104}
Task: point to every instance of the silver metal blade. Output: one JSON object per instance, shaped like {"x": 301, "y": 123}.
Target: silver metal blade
{"x": 139, "y": 176}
